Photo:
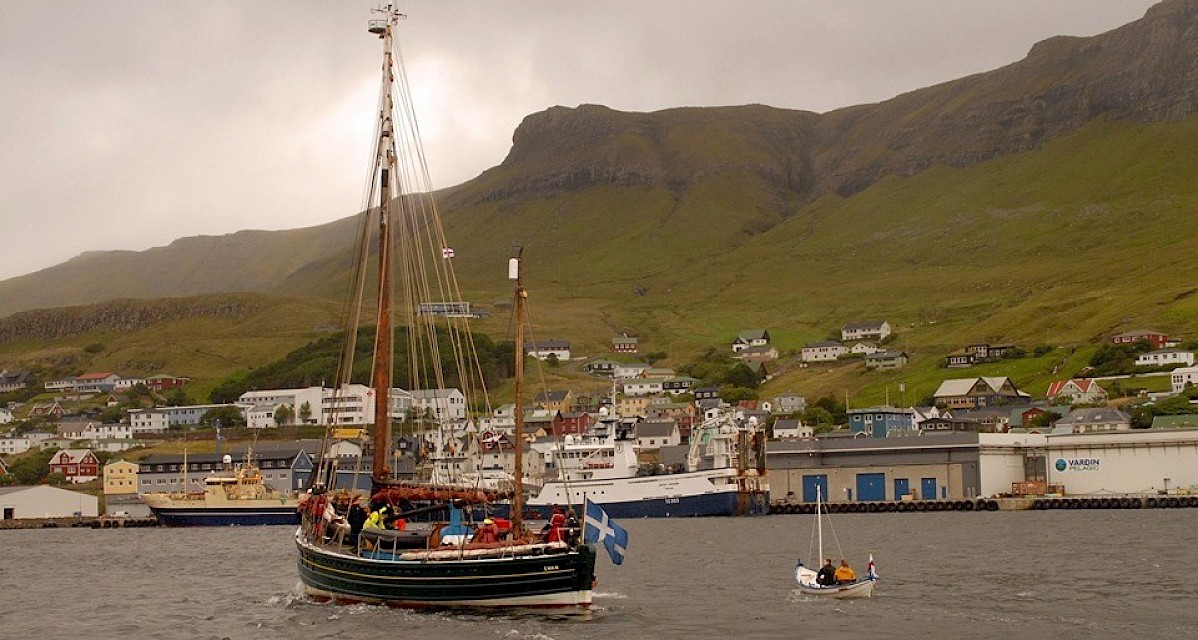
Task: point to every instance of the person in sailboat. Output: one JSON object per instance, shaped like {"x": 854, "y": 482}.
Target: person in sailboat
{"x": 557, "y": 525}
{"x": 487, "y": 533}
{"x": 845, "y": 573}
{"x": 827, "y": 574}
{"x": 356, "y": 518}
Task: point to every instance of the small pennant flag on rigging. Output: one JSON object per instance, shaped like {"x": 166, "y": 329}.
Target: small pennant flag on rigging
{"x": 446, "y": 252}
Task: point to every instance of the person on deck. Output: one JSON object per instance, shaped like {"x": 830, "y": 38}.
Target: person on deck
{"x": 573, "y": 532}
{"x": 488, "y": 532}
{"x": 356, "y": 518}
{"x": 557, "y": 525}
{"x": 827, "y": 574}
{"x": 845, "y": 573}
{"x": 377, "y": 519}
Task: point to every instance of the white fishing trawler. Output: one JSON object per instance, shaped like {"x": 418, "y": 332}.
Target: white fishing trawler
{"x": 724, "y": 473}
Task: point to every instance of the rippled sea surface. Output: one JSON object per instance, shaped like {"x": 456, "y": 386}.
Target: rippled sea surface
{"x": 1035, "y": 574}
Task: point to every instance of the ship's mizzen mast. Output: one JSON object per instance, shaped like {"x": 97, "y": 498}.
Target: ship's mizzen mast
{"x": 517, "y": 512}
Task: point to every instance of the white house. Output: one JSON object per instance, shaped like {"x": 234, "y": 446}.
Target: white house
{"x": 1184, "y": 377}
{"x": 865, "y": 348}
{"x": 1077, "y": 391}
{"x": 628, "y": 369}
{"x": 657, "y": 434}
{"x": 1165, "y": 357}
{"x": 5, "y": 416}
{"x": 823, "y": 351}
{"x": 792, "y": 429}
{"x": 44, "y": 501}
{"x": 643, "y": 386}
{"x": 65, "y": 384}
{"x": 125, "y": 384}
{"x": 749, "y": 339}
{"x": 863, "y": 330}
{"x": 790, "y": 403}
{"x": 11, "y": 445}
{"x": 443, "y": 404}
{"x": 95, "y": 431}
{"x": 559, "y": 349}
{"x": 1089, "y": 420}
{"x": 149, "y": 420}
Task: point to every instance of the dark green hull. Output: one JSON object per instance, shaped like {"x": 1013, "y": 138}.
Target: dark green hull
{"x": 560, "y": 579}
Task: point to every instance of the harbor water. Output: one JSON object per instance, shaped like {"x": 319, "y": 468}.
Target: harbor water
{"x": 1030, "y": 574}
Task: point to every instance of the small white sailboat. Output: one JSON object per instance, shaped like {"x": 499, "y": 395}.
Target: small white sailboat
{"x": 807, "y": 579}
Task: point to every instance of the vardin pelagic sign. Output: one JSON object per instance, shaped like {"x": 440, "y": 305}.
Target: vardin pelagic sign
{"x": 1077, "y": 464}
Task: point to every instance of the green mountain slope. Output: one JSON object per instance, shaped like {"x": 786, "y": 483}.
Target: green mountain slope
{"x": 1050, "y": 201}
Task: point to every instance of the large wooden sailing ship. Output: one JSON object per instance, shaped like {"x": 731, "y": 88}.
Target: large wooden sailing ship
{"x": 432, "y": 562}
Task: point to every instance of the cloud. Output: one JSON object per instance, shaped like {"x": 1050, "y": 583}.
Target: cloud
{"x": 129, "y": 123}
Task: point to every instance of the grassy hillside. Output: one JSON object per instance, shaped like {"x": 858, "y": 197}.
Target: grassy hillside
{"x": 1087, "y": 235}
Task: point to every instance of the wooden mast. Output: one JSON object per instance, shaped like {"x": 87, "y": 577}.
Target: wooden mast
{"x": 381, "y": 374}
{"x": 517, "y": 513}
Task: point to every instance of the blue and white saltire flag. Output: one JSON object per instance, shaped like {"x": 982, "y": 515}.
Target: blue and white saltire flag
{"x": 597, "y": 527}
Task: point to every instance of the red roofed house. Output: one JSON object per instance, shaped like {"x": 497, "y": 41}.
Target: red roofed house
{"x": 161, "y": 383}
{"x": 1077, "y": 391}
{"x": 1156, "y": 339}
{"x": 78, "y": 465}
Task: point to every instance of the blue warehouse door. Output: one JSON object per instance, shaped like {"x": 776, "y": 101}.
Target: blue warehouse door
{"x": 871, "y": 486}
{"x": 902, "y": 486}
{"x": 809, "y": 485}
{"x": 927, "y": 488}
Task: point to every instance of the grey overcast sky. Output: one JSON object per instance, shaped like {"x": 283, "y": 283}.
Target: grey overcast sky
{"x": 125, "y": 124}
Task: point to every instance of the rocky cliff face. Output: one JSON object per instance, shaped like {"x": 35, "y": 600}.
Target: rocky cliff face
{"x": 1145, "y": 71}
{"x": 123, "y": 316}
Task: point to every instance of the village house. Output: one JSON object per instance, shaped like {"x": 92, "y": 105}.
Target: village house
{"x": 862, "y": 330}
{"x": 162, "y": 382}
{"x": 758, "y": 354}
{"x": 678, "y": 385}
{"x": 262, "y": 416}
{"x": 554, "y": 400}
{"x": 1077, "y": 391}
{"x": 886, "y": 360}
{"x": 600, "y": 367}
{"x": 6, "y": 416}
{"x": 1183, "y": 377}
{"x": 100, "y": 382}
{"x": 124, "y": 385}
{"x": 83, "y": 429}
{"x": 750, "y": 338}
{"x": 445, "y": 405}
{"x": 624, "y": 344}
{"x": 120, "y": 478}
{"x": 49, "y": 410}
{"x": 1093, "y": 419}
{"x": 1166, "y": 357}
{"x": 792, "y": 429}
{"x": 823, "y": 351}
{"x": 14, "y": 380}
{"x": 149, "y": 421}
{"x": 643, "y": 386}
{"x": 78, "y": 465}
{"x": 1157, "y": 339}
{"x": 14, "y": 444}
{"x": 865, "y": 348}
{"x": 657, "y": 434}
{"x": 628, "y": 406}
{"x": 881, "y": 422}
{"x": 707, "y": 393}
{"x": 548, "y": 349}
{"x": 574, "y": 422}
{"x": 787, "y": 403}
{"x": 968, "y": 393}
{"x": 63, "y": 384}
{"x": 629, "y": 369}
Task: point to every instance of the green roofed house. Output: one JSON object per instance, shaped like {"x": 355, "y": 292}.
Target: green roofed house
{"x": 1175, "y": 422}
{"x": 750, "y": 338}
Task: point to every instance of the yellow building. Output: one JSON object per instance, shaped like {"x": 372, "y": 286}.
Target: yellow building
{"x": 120, "y": 477}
